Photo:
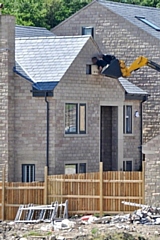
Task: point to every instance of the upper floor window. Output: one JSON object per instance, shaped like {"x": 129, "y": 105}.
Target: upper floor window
{"x": 152, "y": 25}
{"x": 88, "y": 31}
{"x": 28, "y": 172}
{"x": 75, "y": 118}
{"x": 127, "y": 119}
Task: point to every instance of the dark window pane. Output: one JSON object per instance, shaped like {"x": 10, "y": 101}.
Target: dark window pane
{"x": 28, "y": 172}
{"x": 88, "y": 69}
{"x": 128, "y": 165}
{"x": 82, "y": 168}
{"x": 124, "y": 120}
{"x": 82, "y": 118}
{"x": 124, "y": 167}
{"x": 70, "y": 118}
{"x": 128, "y": 119}
{"x": 88, "y": 31}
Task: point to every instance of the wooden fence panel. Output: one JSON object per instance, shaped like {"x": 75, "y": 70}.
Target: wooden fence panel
{"x": 99, "y": 192}
{"x": 83, "y": 191}
{"x": 17, "y": 193}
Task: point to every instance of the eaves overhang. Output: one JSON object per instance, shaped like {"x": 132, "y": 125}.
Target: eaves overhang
{"x": 141, "y": 97}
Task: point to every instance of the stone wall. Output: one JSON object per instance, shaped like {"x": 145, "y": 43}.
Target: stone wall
{"x": 7, "y": 51}
{"x": 30, "y": 130}
{"x": 152, "y": 171}
{"x": 132, "y": 142}
{"x": 115, "y": 35}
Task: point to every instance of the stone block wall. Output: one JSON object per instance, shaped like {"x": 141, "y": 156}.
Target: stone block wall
{"x": 152, "y": 171}
{"x": 7, "y": 56}
{"x": 76, "y": 86}
{"x": 30, "y": 130}
{"x": 115, "y": 35}
{"x": 132, "y": 142}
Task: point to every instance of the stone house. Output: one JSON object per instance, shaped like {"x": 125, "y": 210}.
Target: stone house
{"x": 126, "y": 31}
{"x": 152, "y": 167}
{"x": 56, "y": 113}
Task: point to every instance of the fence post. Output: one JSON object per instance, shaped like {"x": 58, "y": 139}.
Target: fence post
{"x": 101, "y": 187}
{"x": 3, "y": 194}
{"x": 45, "y": 184}
{"x": 143, "y": 182}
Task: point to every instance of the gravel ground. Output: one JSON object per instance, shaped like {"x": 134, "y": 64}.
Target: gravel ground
{"x": 126, "y": 231}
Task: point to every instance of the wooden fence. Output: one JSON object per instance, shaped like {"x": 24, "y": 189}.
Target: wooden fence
{"x": 100, "y": 192}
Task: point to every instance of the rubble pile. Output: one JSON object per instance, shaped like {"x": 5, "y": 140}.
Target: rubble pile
{"x": 142, "y": 224}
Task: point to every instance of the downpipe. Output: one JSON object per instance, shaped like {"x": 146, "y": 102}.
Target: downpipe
{"x": 47, "y": 132}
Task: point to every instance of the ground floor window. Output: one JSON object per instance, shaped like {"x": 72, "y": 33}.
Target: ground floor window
{"x": 73, "y": 168}
{"x": 127, "y": 165}
{"x": 28, "y": 172}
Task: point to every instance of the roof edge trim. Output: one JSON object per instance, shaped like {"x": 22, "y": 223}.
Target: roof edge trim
{"x": 20, "y": 74}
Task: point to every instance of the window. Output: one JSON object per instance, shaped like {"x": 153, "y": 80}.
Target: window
{"x": 127, "y": 119}
{"x": 75, "y": 118}
{"x": 28, "y": 172}
{"x": 88, "y": 69}
{"x": 152, "y": 25}
{"x": 75, "y": 168}
{"x": 127, "y": 165}
{"x": 88, "y": 31}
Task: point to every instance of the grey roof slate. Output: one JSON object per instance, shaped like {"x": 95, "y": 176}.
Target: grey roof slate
{"x": 129, "y": 11}
{"x": 46, "y": 59}
{"x": 130, "y": 88}
{"x": 27, "y": 31}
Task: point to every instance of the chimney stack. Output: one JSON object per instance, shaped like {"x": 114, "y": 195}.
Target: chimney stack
{"x": 7, "y": 61}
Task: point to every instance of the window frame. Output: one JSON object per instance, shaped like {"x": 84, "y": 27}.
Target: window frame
{"x": 87, "y": 27}
{"x": 77, "y": 167}
{"x": 31, "y": 172}
{"x": 125, "y": 165}
{"x": 126, "y": 123}
{"x": 78, "y": 119}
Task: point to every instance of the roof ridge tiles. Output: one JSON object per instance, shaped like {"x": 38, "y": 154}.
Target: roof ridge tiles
{"x": 53, "y": 37}
{"x": 127, "y": 4}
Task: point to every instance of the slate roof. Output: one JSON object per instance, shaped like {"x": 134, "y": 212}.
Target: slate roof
{"x": 129, "y": 11}
{"x": 27, "y": 31}
{"x": 130, "y": 88}
{"x": 46, "y": 59}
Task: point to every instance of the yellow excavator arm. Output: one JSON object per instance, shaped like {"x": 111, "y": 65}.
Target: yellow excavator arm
{"x": 118, "y": 68}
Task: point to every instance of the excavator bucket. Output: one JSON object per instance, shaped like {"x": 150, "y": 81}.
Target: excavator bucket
{"x": 113, "y": 70}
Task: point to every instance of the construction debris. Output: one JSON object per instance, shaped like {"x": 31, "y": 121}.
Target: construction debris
{"x": 42, "y": 213}
{"x": 51, "y": 222}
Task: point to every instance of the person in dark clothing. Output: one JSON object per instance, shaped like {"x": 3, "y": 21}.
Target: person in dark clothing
{"x": 104, "y": 61}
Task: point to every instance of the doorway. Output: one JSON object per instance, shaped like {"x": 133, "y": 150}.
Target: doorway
{"x": 109, "y": 138}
